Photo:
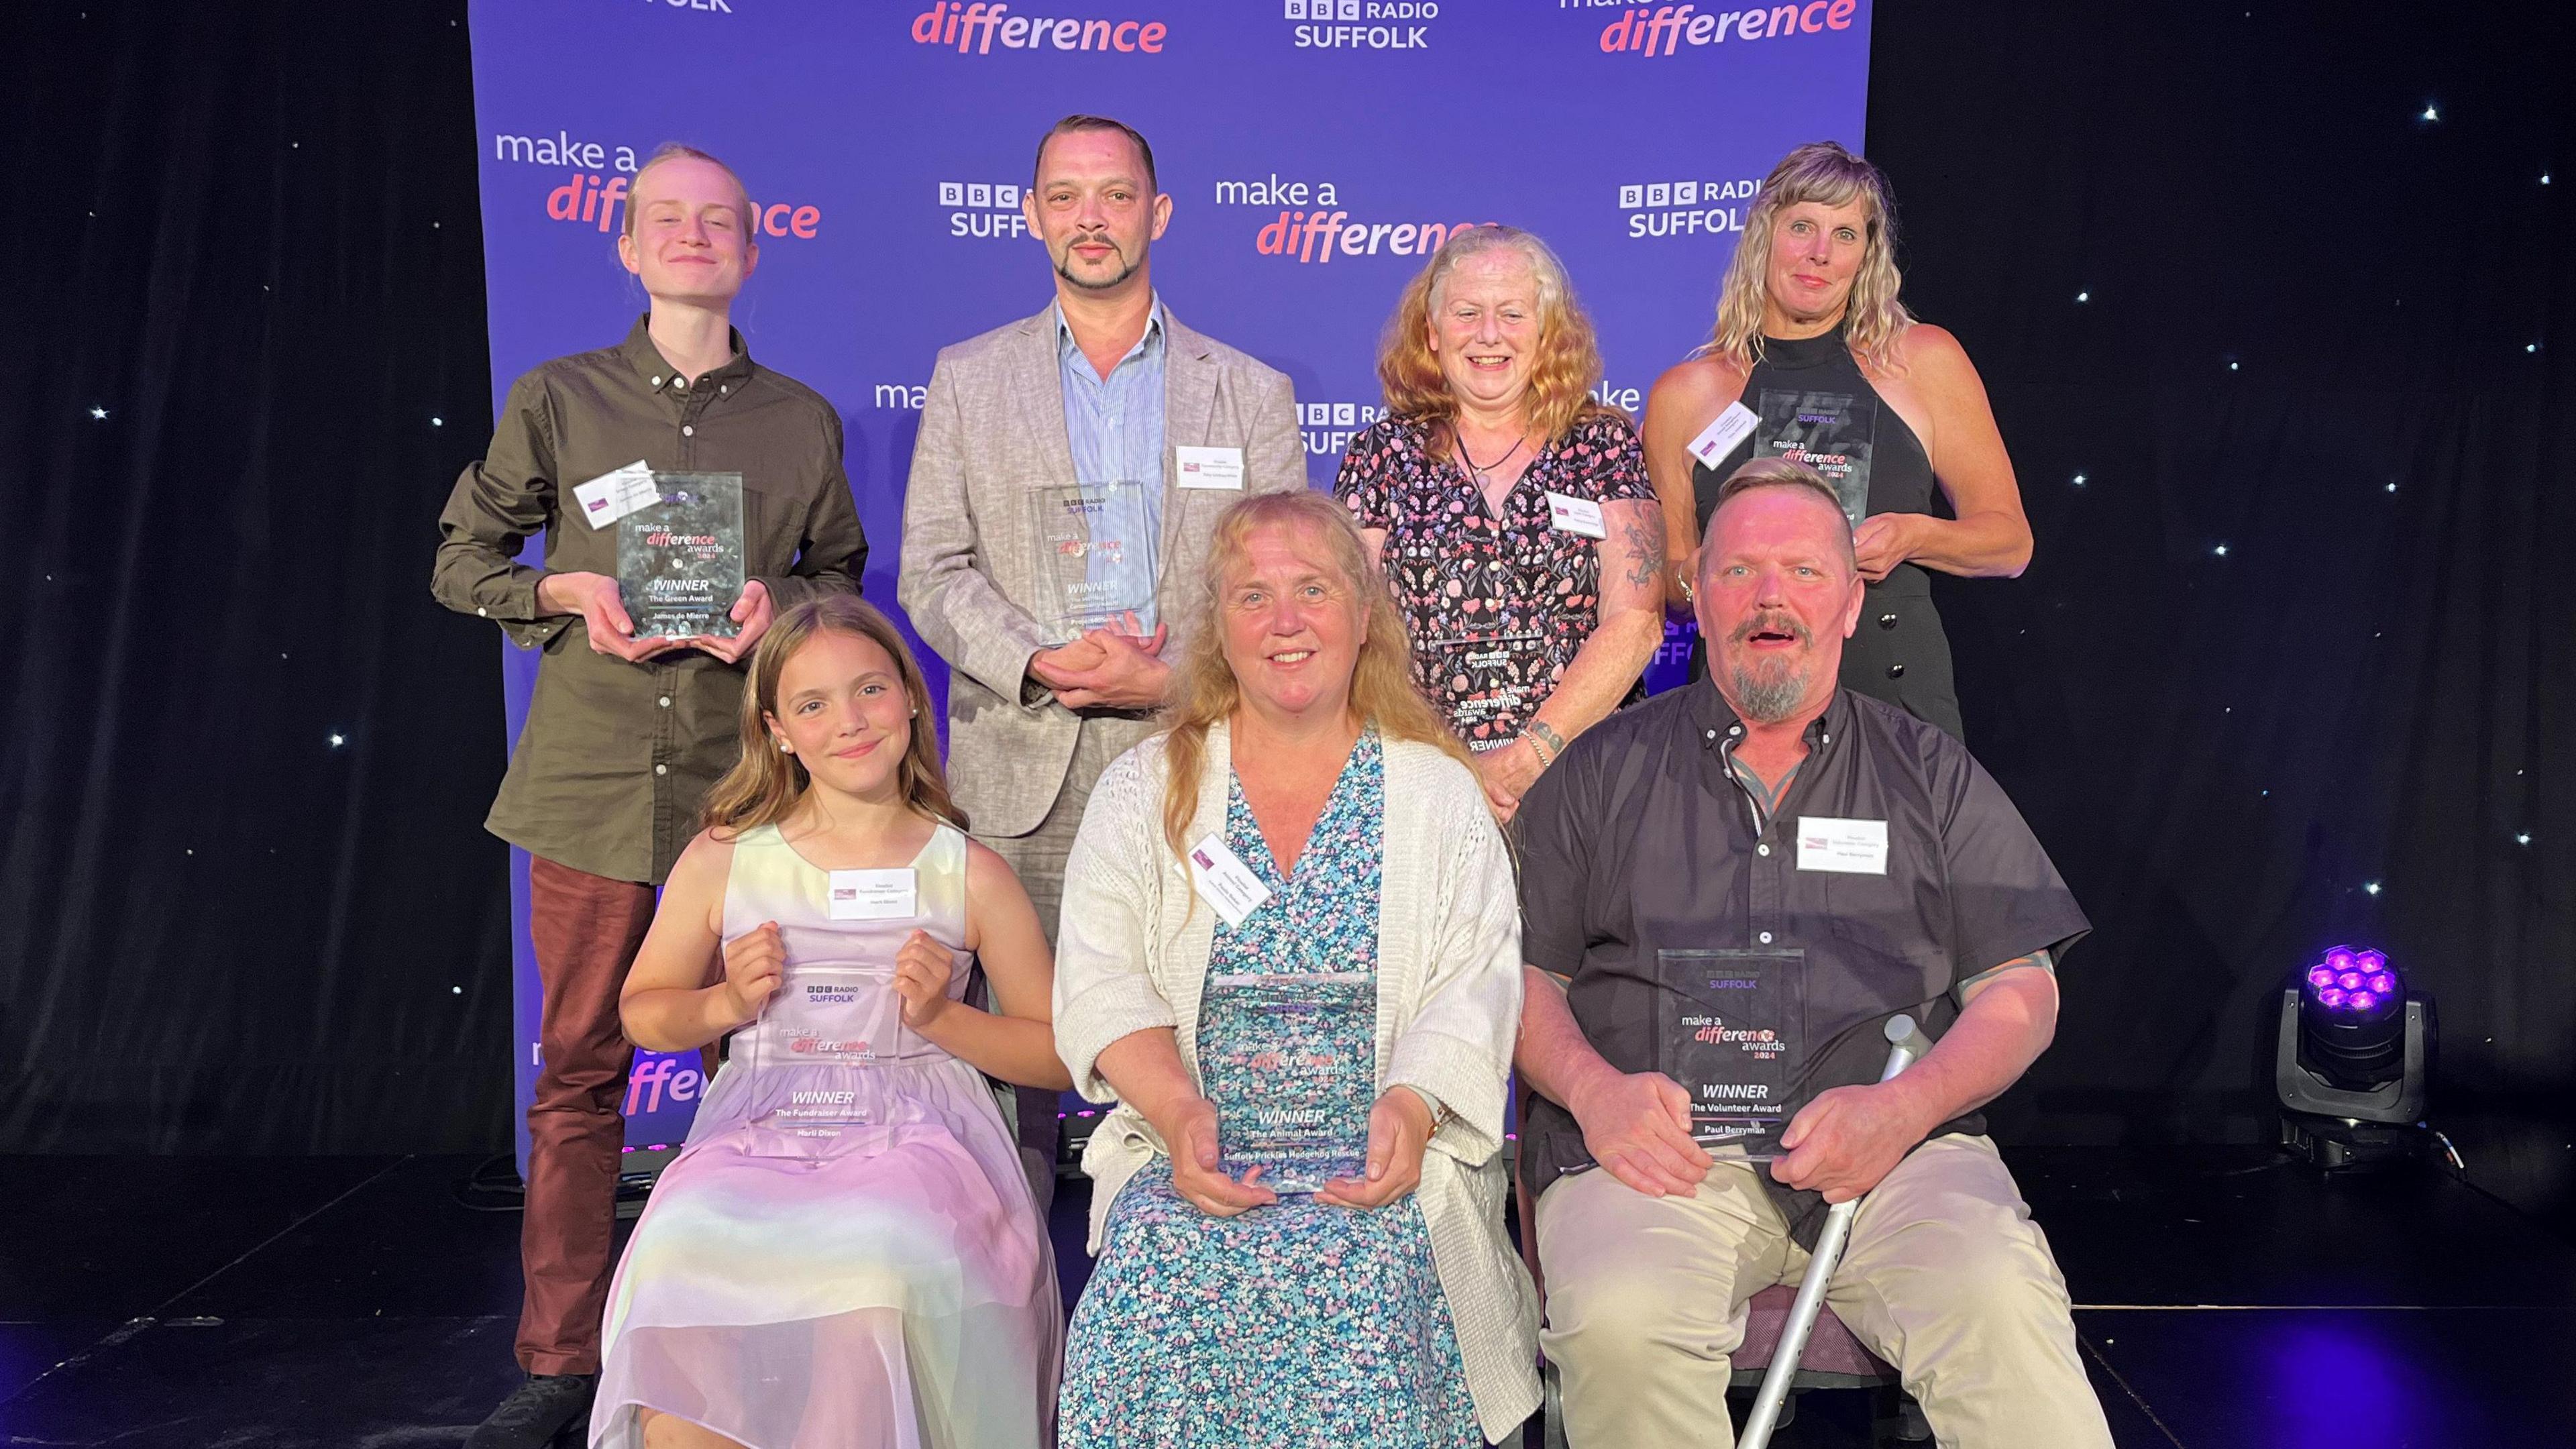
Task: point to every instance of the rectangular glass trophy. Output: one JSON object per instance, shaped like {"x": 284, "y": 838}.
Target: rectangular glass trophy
{"x": 824, "y": 1013}
{"x": 1290, "y": 1097}
{"x": 679, "y": 560}
{"x": 1730, "y": 1028}
{"x": 1095, "y": 557}
{"x": 1831, "y": 432}
{"x": 1489, "y": 684}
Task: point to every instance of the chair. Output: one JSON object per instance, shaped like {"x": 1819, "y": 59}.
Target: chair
{"x": 1834, "y": 1358}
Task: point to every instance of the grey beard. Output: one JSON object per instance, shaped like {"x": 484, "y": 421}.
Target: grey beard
{"x": 1767, "y": 700}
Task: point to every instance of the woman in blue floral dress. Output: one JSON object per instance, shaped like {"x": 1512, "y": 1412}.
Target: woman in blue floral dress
{"x": 1304, "y": 1005}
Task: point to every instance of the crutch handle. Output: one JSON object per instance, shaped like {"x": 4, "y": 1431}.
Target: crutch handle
{"x": 1906, "y": 1044}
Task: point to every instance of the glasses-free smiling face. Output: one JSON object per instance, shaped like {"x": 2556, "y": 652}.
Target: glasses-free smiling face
{"x": 1485, "y": 327}
{"x": 1776, "y": 597}
{"x": 1292, "y": 623}
{"x": 688, "y": 243}
{"x": 843, "y": 711}
{"x": 1816, "y": 251}
{"x": 1094, "y": 209}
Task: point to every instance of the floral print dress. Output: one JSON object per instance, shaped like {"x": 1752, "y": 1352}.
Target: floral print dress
{"x": 1498, "y": 601}
{"x": 1300, "y": 1323}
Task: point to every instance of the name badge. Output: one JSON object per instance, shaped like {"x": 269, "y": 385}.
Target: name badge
{"x": 874, "y": 895}
{"x": 1210, "y": 468}
{"x": 1854, "y": 847}
{"x": 1719, "y": 438}
{"x": 614, "y": 494}
{"x": 1576, "y": 515}
{"x": 1226, "y": 881}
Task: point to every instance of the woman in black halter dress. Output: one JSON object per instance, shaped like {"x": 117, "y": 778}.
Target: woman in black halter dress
{"x": 1815, "y": 359}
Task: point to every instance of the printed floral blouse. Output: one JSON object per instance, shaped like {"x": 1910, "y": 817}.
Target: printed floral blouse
{"x": 1498, "y": 603}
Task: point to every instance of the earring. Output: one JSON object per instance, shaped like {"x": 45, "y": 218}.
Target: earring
{"x": 783, "y": 749}
{"x": 916, "y": 712}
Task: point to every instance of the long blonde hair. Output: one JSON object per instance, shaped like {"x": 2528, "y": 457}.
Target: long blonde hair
{"x": 1204, "y": 689}
{"x": 1562, "y": 376}
{"x": 1826, "y": 174}
{"x": 764, "y": 785}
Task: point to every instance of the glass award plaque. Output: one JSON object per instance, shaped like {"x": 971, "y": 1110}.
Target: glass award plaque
{"x": 823, "y": 1014}
{"x": 1730, "y": 1028}
{"x": 1095, "y": 557}
{"x": 1489, "y": 684}
{"x": 679, "y": 560}
{"x": 1831, "y": 432}
{"x": 1291, "y": 1097}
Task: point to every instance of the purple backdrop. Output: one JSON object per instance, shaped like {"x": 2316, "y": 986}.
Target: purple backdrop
{"x": 885, "y": 145}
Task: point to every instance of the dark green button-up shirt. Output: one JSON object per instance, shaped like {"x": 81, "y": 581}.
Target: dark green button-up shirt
{"x": 616, "y": 757}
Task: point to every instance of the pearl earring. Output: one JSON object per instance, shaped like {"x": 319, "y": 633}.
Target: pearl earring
{"x": 782, "y": 748}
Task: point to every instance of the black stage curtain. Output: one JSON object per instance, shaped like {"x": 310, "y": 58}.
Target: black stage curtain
{"x": 249, "y": 235}
{"x": 2323, "y": 331}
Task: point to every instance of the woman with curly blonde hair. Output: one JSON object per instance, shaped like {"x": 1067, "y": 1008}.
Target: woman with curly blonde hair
{"x": 1290, "y": 955}
{"x": 1815, "y": 359}
{"x": 1509, "y": 511}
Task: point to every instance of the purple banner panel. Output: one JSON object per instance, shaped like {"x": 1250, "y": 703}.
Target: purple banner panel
{"x": 1316, "y": 152}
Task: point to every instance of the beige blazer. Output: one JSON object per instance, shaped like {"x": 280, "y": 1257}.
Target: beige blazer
{"x": 992, "y": 427}
{"x": 1133, "y": 955}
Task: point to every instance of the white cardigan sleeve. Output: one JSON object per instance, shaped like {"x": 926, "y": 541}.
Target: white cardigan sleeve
{"x": 1103, "y": 986}
{"x": 1458, "y": 1046}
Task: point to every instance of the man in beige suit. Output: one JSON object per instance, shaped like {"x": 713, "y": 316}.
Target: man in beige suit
{"x": 1102, "y": 410}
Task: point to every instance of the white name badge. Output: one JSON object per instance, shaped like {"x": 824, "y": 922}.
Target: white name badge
{"x": 874, "y": 895}
{"x": 1226, "y": 881}
{"x": 1854, "y": 847}
{"x": 1719, "y": 438}
{"x": 1210, "y": 467}
{"x": 1576, "y": 515}
{"x": 617, "y": 493}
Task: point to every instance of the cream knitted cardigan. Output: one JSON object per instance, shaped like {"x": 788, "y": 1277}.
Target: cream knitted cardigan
{"x": 1132, "y": 954}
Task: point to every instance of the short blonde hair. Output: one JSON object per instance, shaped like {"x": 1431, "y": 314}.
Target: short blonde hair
{"x": 674, "y": 151}
{"x": 1562, "y": 376}
{"x": 1824, "y": 173}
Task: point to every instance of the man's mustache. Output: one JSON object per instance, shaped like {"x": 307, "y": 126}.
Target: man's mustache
{"x": 1771, "y": 622}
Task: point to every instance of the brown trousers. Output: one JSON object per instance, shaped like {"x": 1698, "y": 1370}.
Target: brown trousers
{"x": 586, "y": 929}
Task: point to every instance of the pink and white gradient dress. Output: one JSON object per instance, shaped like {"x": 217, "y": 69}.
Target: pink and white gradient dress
{"x": 866, "y": 1274}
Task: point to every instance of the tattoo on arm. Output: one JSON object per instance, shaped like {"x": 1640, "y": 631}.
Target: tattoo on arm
{"x": 1645, "y": 538}
{"x": 1547, "y": 735}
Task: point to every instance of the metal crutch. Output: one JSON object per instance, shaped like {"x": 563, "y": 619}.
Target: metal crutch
{"x": 1905, "y": 1044}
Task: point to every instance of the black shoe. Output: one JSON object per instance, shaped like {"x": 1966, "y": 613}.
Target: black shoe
{"x": 539, "y": 1409}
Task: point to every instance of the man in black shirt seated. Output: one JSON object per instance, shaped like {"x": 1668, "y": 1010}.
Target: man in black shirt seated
{"x": 1727, "y": 891}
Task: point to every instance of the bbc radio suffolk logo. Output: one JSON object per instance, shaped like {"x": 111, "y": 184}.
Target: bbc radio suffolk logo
{"x": 1362, "y": 24}
{"x": 1686, "y": 208}
{"x": 986, "y": 209}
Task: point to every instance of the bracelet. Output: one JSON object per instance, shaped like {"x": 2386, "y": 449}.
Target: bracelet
{"x": 1538, "y": 747}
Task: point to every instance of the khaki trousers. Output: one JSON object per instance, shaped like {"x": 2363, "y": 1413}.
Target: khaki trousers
{"x": 1038, "y": 858}
{"x": 1946, "y": 1277}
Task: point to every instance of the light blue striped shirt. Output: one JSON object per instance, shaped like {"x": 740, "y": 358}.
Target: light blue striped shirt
{"x": 1115, "y": 425}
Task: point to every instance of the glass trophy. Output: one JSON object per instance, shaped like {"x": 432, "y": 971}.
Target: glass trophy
{"x": 823, "y": 1014}
{"x": 679, "y": 560}
{"x": 1291, "y": 1097}
{"x": 1095, "y": 557}
{"x": 1489, "y": 684}
{"x": 1831, "y": 432}
{"x": 1730, "y": 1028}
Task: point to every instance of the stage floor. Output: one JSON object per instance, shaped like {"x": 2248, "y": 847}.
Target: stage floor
{"x": 2226, "y": 1298}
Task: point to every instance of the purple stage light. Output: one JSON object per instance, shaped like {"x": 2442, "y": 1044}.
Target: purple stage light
{"x": 2321, "y": 976}
{"x": 2331, "y": 996}
{"x": 2340, "y": 958}
{"x": 2349, "y": 981}
{"x": 2371, "y": 960}
{"x": 2361, "y": 1001}
{"x": 2383, "y": 983}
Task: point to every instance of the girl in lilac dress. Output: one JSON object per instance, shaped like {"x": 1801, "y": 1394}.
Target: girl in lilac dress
{"x": 846, "y": 1253}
